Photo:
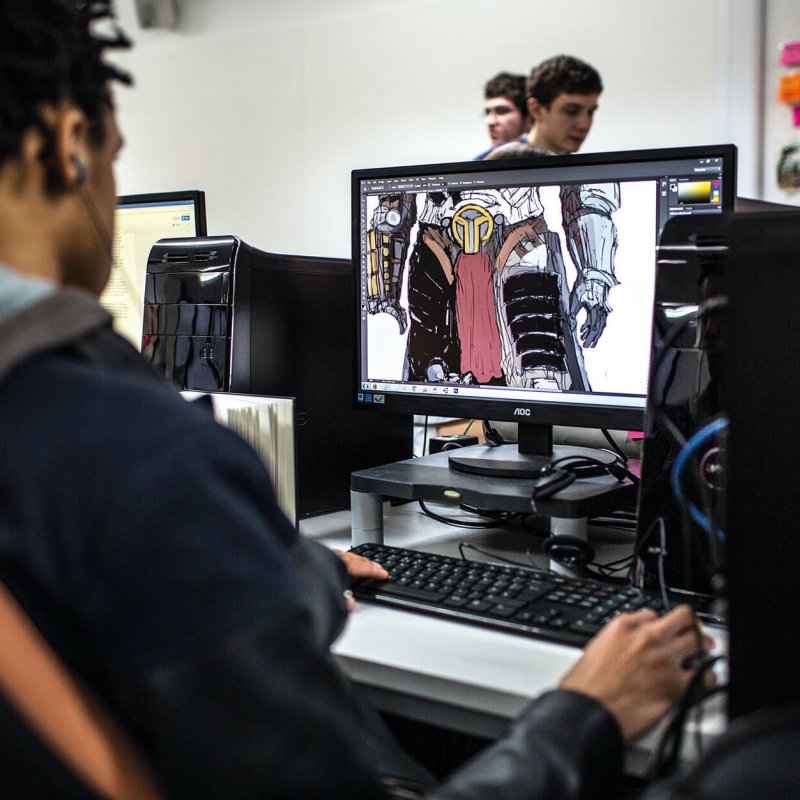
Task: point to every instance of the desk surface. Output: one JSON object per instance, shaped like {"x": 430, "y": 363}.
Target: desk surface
{"x": 459, "y": 676}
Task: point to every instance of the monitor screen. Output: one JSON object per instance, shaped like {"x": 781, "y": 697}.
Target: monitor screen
{"x": 140, "y": 221}
{"x": 520, "y": 290}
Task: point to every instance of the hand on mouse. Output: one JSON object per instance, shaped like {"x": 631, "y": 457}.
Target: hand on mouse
{"x": 636, "y": 666}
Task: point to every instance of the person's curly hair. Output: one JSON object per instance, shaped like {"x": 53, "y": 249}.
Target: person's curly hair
{"x": 49, "y": 54}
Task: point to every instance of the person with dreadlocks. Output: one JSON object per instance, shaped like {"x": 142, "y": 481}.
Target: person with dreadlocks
{"x": 144, "y": 540}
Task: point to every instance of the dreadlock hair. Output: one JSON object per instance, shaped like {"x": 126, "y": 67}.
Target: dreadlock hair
{"x": 48, "y": 55}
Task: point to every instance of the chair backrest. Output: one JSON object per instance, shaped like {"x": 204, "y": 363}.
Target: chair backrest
{"x": 65, "y": 715}
{"x": 756, "y": 757}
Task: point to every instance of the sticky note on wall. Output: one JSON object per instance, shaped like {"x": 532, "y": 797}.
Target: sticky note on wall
{"x": 789, "y": 89}
{"x": 790, "y": 53}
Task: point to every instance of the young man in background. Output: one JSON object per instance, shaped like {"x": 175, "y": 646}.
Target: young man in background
{"x": 562, "y": 96}
{"x": 505, "y": 109}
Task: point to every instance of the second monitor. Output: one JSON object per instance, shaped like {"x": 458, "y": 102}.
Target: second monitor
{"x": 140, "y": 221}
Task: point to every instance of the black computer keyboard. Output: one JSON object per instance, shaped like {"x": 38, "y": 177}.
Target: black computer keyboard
{"x": 531, "y": 602}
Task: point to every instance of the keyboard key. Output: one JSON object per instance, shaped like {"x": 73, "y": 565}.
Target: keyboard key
{"x": 509, "y": 601}
{"x": 412, "y": 592}
{"x": 502, "y": 610}
{"x": 582, "y": 626}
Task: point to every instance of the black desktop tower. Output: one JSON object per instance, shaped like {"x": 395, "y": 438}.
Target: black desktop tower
{"x": 684, "y": 394}
{"x": 762, "y": 397}
{"x": 738, "y": 364}
{"x": 222, "y": 316}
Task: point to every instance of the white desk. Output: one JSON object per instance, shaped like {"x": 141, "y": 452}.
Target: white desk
{"x": 451, "y": 674}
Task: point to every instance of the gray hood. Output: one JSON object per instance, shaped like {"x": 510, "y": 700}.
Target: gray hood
{"x": 36, "y": 316}
{"x": 19, "y": 291}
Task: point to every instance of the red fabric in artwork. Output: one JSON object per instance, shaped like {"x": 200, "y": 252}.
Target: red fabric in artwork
{"x": 476, "y": 317}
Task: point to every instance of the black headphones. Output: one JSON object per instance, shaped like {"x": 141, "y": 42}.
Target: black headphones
{"x": 550, "y": 482}
{"x": 569, "y": 551}
{"x": 564, "y": 471}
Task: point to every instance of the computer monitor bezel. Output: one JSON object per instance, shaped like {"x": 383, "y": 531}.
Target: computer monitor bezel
{"x": 533, "y": 412}
{"x": 194, "y": 196}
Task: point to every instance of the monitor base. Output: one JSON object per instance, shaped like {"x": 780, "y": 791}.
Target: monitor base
{"x": 506, "y": 461}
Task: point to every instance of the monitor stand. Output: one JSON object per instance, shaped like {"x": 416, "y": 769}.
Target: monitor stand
{"x": 533, "y": 452}
{"x": 432, "y": 479}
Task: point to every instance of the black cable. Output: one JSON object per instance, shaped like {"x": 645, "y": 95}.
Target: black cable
{"x": 668, "y": 748}
{"x": 484, "y": 551}
{"x": 463, "y": 523}
{"x": 698, "y": 722}
{"x": 605, "y": 577}
{"x": 624, "y": 560}
{"x": 638, "y": 549}
{"x": 620, "y": 518}
{"x": 608, "y": 568}
{"x": 672, "y": 429}
{"x": 462, "y": 546}
{"x": 662, "y": 581}
{"x": 661, "y": 554}
{"x": 492, "y": 435}
{"x": 613, "y": 525}
{"x": 615, "y": 468}
{"x": 705, "y": 489}
{"x": 499, "y": 516}
{"x": 617, "y": 521}
{"x": 541, "y": 531}
{"x": 614, "y": 446}
{"x": 469, "y": 425}
{"x": 694, "y": 694}
{"x": 709, "y": 306}
{"x": 659, "y": 413}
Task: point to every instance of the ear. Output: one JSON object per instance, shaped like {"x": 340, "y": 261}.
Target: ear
{"x": 534, "y": 109}
{"x": 66, "y": 164}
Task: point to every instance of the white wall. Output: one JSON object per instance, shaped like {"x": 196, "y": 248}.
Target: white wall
{"x": 267, "y": 105}
{"x": 782, "y": 24}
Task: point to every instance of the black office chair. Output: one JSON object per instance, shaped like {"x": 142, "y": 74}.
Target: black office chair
{"x": 56, "y": 739}
{"x": 757, "y": 758}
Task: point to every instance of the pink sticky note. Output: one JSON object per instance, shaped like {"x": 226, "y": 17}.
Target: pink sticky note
{"x": 796, "y": 116}
{"x": 790, "y": 53}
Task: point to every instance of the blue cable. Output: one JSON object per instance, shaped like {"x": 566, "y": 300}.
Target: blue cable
{"x": 697, "y": 439}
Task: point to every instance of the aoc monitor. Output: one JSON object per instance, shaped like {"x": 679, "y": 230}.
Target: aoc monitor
{"x": 519, "y": 290}
{"x": 140, "y": 221}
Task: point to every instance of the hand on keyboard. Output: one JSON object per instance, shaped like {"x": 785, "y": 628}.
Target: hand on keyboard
{"x": 359, "y": 567}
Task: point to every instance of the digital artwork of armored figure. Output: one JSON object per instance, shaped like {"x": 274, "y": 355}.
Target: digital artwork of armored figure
{"x": 487, "y": 286}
